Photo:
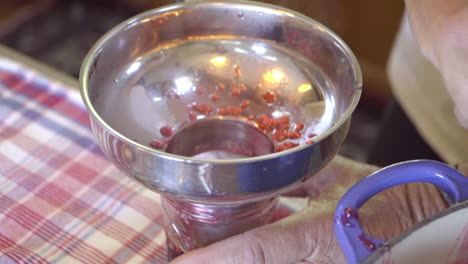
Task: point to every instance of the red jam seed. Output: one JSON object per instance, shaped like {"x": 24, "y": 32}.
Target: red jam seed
{"x": 299, "y": 126}
{"x": 311, "y": 135}
{"x": 235, "y": 92}
{"x": 245, "y": 104}
{"x": 220, "y": 87}
{"x": 347, "y": 216}
{"x": 265, "y": 123}
{"x": 350, "y": 213}
{"x": 280, "y": 136}
{"x": 237, "y": 71}
{"x": 214, "y": 97}
{"x": 230, "y": 111}
{"x": 202, "y": 108}
{"x": 192, "y": 116}
{"x": 269, "y": 97}
{"x": 282, "y": 123}
{"x": 294, "y": 135}
{"x": 157, "y": 144}
{"x": 367, "y": 243}
{"x": 166, "y": 131}
{"x": 285, "y": 146}
{"x": 310, "y": 142}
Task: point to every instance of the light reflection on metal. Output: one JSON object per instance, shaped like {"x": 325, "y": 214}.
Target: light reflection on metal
{"x": 304, "y": 87}
{"x": 133, "y": 68}
{"x": 279, "y": 113}
{"x": 183, "y": 84}
{"x": 239, "y": 50}
{"x": 145, "y": 20}
{"x": 270, "y": 58}
{"x": 219, "y": 61}
{"x": 258, "y": 49}
{"x": 274, "y": 76}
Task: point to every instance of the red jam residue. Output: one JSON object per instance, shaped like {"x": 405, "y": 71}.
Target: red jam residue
{"x": 299, "y": 127}
{"x": 235, "y": 91}
{"x": 220, "y": 87}
{"x": 192, "y": 116}
{"x": 347, "y": 216}
{"x": 265, "y": 123}
{"x": 166, "y": 131}
{"x": 366, "y": 242}
{"x": 230, "y": 111}
{"x": 293, "y": 135}
{"x": 214, "y": 97}
{"x": 236, "y": 147}
{"x": 157, "y": 144}
{"x": 282, "y": 131}
{"x": 202, "y": 108}
{"x": 237, "y": 71}
{"x": 245, "y": 104}
{"x": 269, "y": 97}
{"x": 285, "y": 146}
{"x": 282, "y": 123}
{"x": 279, "y": 136}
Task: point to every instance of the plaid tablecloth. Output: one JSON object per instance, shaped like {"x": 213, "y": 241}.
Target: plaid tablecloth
{"x": 61, "y": 200}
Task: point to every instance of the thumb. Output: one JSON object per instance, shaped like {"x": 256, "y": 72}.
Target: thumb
{"x": 290, "y": 240}
{"x": 463, "y": 168}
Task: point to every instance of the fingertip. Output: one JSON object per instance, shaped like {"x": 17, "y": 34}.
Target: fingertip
{"x": 217, "y": 253}
{"x": 190, "y": 257}
{"x": 193, "y": 256}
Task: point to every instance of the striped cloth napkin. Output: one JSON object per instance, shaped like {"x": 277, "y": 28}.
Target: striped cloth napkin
{"x": 61, "y": 200}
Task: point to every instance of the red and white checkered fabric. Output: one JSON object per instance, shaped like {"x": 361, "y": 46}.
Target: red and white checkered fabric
{"x": 61, "y": 200}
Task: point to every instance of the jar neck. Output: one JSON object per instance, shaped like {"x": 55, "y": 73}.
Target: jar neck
{"x": 193, "y": 225}
{"x": 217, "y": 213}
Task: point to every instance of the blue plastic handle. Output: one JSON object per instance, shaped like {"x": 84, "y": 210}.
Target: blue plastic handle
{"x": 355, "y": 243}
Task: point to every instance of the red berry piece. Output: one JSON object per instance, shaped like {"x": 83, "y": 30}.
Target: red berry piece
{"x": 299, "y": 126}
{"x": 245, "y": 104}
{"x": 230, "y": 111}
{"x": 285, "y": 146}
{"x": 220, "y": 87}
{"x": 269, "y": 97}
{"x": 166, "y": 131}
{"x": 237, "y": 71}
{"x": 192, "y": 116}
{"x": 202, "y": 108}
{"x": 214, "y": 97}
{"x": 157, "y": 144}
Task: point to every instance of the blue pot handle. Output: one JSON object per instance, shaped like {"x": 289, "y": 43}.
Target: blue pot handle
{"x": 355, "y": 243}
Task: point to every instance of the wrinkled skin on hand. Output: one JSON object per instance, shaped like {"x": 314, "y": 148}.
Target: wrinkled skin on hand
{"x": 440, "y": 29}
{"x": 308, "y": 237}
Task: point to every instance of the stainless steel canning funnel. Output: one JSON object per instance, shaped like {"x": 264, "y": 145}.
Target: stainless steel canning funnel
{"x": 150, "y": 86}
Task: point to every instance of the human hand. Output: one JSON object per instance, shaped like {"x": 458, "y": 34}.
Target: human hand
{"x": 308, "y": 237}
{"x": 440, "y": 28}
